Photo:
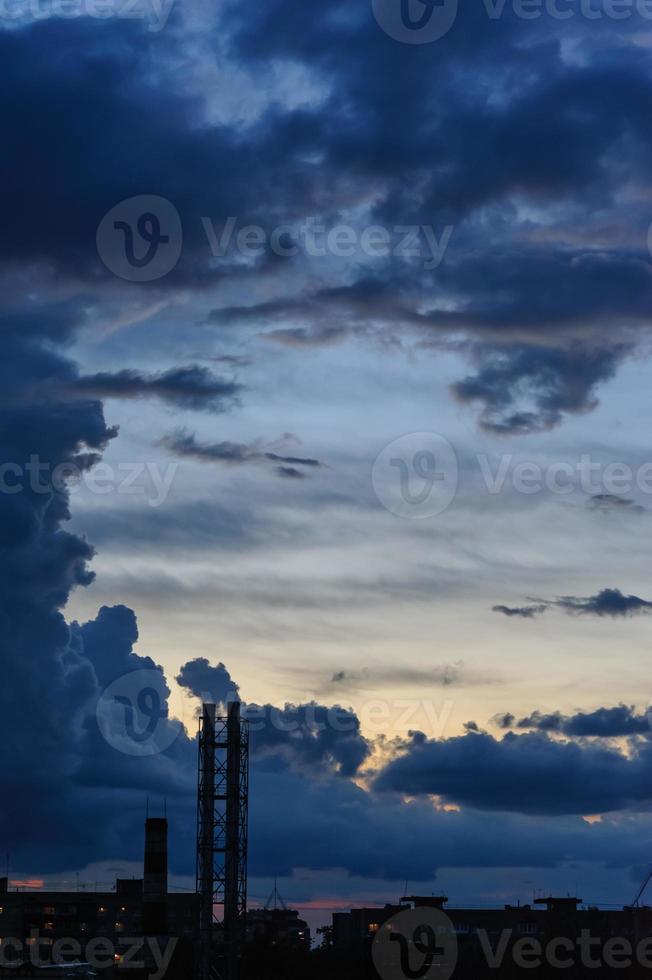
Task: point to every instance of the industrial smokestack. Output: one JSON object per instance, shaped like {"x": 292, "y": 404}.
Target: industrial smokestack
{"x": 155, "y": 879}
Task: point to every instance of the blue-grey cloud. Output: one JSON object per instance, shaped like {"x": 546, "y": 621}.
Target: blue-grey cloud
{"x": 186, "y": 445}
{"x": 529, "y": 389}
{"x": 607, "y": 602}
{"x": 530, "y": 773}
{"x": 192, "y": 387}
{"x": 617, "y": 722}
{"x": 546, "y": 313}
{"x": 212, "y": 684}
{"x": 613, "y": 502}
{"x": 521, "y": 612}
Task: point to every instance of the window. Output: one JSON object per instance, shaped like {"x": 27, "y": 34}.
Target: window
{"x": 528, "y": 927}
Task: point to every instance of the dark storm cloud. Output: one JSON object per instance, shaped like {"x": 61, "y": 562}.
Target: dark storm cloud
{"x": 521, "y": 612}
{"x": 548, "y": 296}
{"x": 191, "y": 387}
{"x": 94, "y": 794}
{"x": 53, "y": 672}
{"x": 607, "y": 602}
{"x": 529, "y": 773}
{"x": 526, "y": 379}
{"x": 554, "y": 381}
{"x": 211, "y": 684}
{"x": 559, "y": 311}
{"x": 377, "y": 835}
{"x": 620, "y": 721}
{"x": 184, "y": 444}
{"x": 546, "y": 137}
{"x": 312, "y": 737}
{"x": 106, "y": 100}
{"x": 97, "y": 112}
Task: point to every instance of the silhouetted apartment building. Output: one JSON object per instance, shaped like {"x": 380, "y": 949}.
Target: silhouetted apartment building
{"x": 551, "y": 936}
{"x": 41, "y": 927}
{"x": 278, "y": 927}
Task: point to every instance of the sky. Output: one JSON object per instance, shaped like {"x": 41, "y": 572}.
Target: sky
{"x": 325, "y": 384}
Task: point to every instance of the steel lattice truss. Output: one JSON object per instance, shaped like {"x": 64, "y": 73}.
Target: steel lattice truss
{"x": 222, "y": 817}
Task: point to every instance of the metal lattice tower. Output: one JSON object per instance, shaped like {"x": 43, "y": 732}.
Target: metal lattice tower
{"x": 222, "y": 811}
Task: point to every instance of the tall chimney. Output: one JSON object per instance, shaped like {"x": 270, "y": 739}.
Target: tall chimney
{"x": 155, "y": 878}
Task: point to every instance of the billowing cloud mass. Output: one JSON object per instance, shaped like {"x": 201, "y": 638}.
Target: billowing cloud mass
{"x": 310, "y": 736}
{"x": 530, "y": 774}
{"x": 531, "y": 300}
{"x": 620, "y": 721}
{"x": 210, "y": 684}
{"x": 57, "y": 756}
{"x": 517, "y": 153}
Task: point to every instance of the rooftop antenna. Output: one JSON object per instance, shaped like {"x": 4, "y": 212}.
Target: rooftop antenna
{"x": 275, "y": 897}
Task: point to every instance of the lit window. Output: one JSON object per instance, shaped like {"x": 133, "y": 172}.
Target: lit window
{"x": 373, "y": 927}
